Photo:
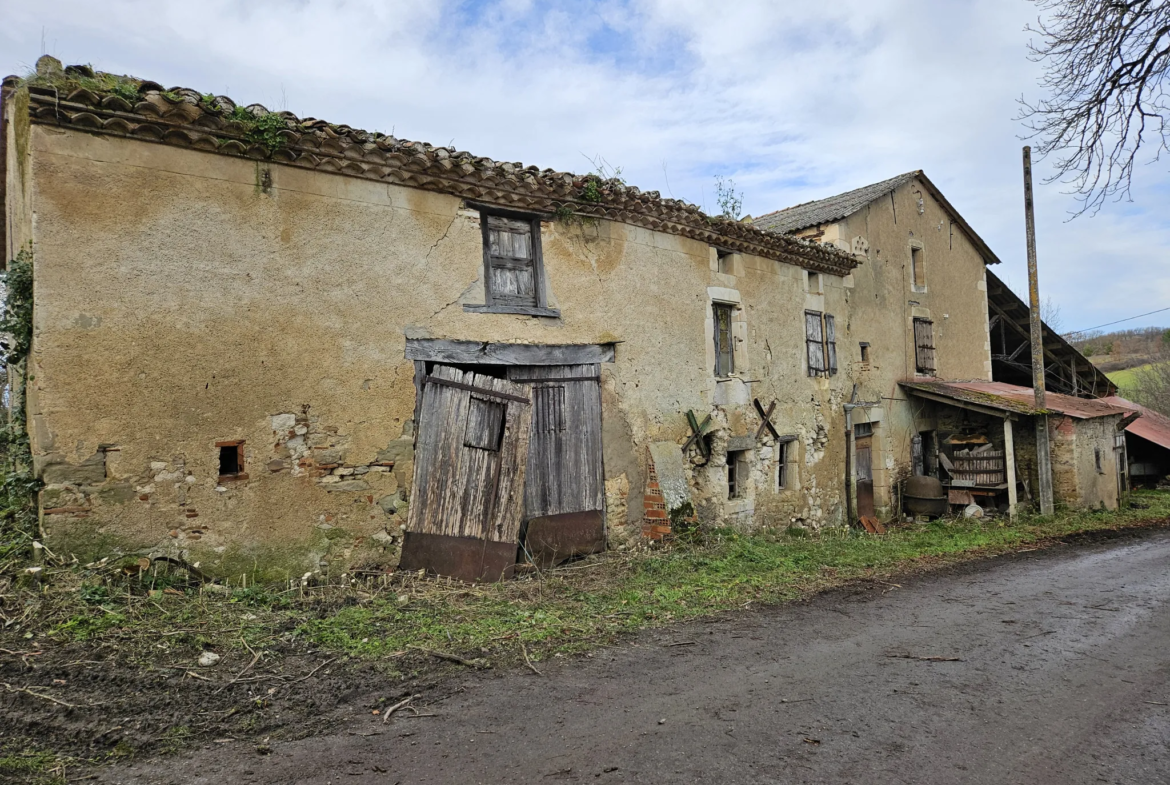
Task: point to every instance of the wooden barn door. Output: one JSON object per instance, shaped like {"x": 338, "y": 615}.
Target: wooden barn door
{"x": 466, "y": 501}
{"x": 564, "y": 495}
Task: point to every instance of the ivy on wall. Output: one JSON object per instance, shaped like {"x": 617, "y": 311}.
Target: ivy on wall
{"x": 18, "y": 486}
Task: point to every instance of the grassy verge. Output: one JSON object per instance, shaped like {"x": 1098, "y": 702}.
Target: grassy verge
{"x": 568, "y": 609}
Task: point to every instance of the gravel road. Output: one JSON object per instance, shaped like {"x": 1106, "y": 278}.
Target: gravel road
{"x": 1051, "y": 667}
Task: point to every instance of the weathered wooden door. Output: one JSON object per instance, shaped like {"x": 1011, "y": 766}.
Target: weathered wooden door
{"x": 564, "y": 495}
{"x": 864, "y": 462}
{"x": 467, "y": 500}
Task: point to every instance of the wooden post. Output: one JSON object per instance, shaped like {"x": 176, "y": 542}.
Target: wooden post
{"x": 1009, "y": 455}
{"x": 1043, "y": 451}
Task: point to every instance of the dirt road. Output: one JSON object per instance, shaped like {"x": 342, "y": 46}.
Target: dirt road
{"x": 1061, "y": 677}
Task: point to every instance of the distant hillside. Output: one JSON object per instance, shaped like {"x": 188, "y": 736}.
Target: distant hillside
{"x": 1122, "y": 349}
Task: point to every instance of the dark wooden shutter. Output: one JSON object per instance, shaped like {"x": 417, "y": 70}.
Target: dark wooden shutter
{"x": 724, "y": 350}
{"x": 814, "y": 342}
{"x": 831, "y": 344}
{"x": 511, "y": 256}
{"x": 924, "y": 346}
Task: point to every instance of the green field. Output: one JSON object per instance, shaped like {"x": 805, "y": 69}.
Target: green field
{"x": 1126, "y": 379}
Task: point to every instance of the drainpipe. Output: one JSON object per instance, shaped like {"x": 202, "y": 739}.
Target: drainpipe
{"x": 850, "y": 448}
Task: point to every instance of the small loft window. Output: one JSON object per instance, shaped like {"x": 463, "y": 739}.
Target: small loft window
{"x": 726, "y": 261}
{"x": 864, "y": 352}
{"x": 917, "y": 271}
{"x": 736, "y": 473}
{"x": 814, "y": 283}
{"x": 231, "y": 460}
{"x": 1097, "y": 460}
{"x": 724, "y": 342}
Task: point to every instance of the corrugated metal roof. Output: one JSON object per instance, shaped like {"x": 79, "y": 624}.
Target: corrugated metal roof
{"x": 831, "y": 209}
{"x": 1151, "y": 426}
{"x": 1020, "y": 400}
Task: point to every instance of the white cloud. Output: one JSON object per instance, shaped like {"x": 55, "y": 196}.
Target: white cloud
{"x": 793, "y": 101}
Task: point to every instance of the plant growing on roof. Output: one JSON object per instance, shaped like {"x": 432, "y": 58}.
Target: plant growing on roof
{"x": 729, "y": 200}
{"x": 263, "y": 130}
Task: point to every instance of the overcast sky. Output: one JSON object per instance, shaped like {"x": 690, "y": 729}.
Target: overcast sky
{"x": 792, "y": 100}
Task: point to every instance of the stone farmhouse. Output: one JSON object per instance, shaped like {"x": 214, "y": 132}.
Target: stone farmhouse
{"x": 272, "y": 344}
{"x": 922, "y": 276}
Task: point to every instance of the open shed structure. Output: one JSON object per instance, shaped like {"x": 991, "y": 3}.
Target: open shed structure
{"x": 1147, "y": 444}
{"x": 979, "y": 439}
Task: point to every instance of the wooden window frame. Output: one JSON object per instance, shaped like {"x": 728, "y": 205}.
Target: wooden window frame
{"x": 730, "y": 308}
{"x": 241, "y": 474}
{"x": 827, "y": 343}
{"x": 538, "y": 275}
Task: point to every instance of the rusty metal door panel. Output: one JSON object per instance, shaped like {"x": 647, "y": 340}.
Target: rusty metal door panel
{"x": 465, "y": 558}
{"x": 552, "y": 539}
{"x": 469, "y": 466}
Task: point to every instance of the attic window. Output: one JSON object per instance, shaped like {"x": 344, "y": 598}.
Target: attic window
{"x": 917, "y": 270}
{"x": 864, "y": 352}
{"x": 726, "y": 261}
{"x": 724, "y": 345}
{"x": 513, "y": 264}
{"x": 814, "y": 283}
{"x": 231, "y": 460}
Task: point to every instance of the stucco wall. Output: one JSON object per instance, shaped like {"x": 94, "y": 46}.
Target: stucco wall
{"x": 882, "y": 303}
{"x": 185, "y": 298}
{"x": 1076, "y": 445}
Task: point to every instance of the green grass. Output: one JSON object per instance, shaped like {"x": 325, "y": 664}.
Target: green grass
{"x": 1127, "y": 379}
{"x": 570, "y": 609}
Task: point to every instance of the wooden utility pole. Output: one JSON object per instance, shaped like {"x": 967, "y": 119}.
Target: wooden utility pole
{"x": 1043, "y": 451}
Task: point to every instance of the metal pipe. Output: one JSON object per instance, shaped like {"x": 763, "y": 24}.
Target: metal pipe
{"x": 1043, "y": 450}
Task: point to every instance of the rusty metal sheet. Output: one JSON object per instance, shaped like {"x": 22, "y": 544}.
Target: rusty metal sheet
{"x": 552, "y": 539}
{"x": 1151, "y": 426}
{"x": 467, "y": 559}
{"x": 1021, "y": 400}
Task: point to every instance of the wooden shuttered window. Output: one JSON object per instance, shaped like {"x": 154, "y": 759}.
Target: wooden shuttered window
{"x": 724, "y": 346}
{"x": 820, "y": 338}
{"x": 512, "y": 261}
{"x": 924, "y": 361}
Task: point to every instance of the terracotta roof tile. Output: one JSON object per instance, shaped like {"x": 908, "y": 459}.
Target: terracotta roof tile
{"x": 144, "y": 110}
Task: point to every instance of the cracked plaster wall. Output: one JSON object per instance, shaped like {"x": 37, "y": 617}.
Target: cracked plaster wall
{"x": 185, "y": 298}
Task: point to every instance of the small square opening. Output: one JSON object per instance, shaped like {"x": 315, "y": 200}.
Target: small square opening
{"x": 814, "y": 283}
{"x": 231, "y": 460}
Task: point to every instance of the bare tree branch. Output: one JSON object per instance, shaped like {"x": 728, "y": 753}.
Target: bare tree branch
{"x": 1105, "y": 67}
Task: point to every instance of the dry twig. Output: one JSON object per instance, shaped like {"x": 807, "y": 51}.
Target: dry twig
{"x": 396, "y": 707}
{"x": 527, "y": 661}
{"x": 442, "y": 655}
